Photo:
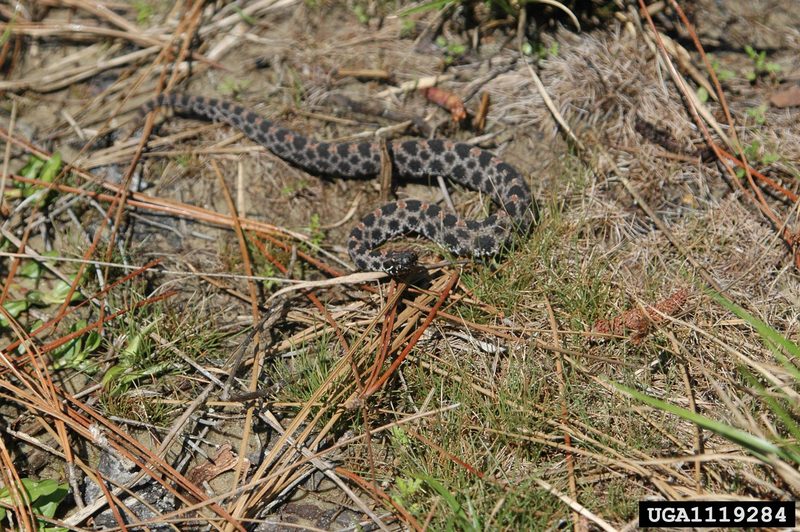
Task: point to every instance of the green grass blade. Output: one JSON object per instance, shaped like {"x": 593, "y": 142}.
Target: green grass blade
{"x": 770, "y": 335}
{"x": 759, "y": 447}
{"x": 777, "y": 409}
{"x": 458, "y": 511}
{"x": 430, "y": 6}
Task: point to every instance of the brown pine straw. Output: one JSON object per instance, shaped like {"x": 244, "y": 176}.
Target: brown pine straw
{"x": 754, "y": 194}
{"x": 144, "y": 201}
{"x": 49, "y": 401}
{"x": 301, "y": 418}
{"x": 19, "y": 497}
{"x": 239, "y": 469}
{"x": 386, "y": 336}
{"x": 301, "y": 461}
{"x": 375, "y": 386}
{"x": 51, "y": 405}
{"x": 195, "y": 492}
{"x": 50, "y": 324}
{"x": 113, "y": 502}
{"x": 381, "y": 496}
{"x": 247, "y": 501}
{"x": 188, "y": 28}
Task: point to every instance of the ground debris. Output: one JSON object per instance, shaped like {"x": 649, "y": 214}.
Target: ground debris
{"x": 640, "y": 321}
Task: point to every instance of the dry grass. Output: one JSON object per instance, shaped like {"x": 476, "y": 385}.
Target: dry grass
{"x": 217, "y": 363}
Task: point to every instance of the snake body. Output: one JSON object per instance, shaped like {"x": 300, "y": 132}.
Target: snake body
{"x": 470, "y": 166}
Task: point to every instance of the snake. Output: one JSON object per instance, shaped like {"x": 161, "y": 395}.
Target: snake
{"x": 471, "y": 166}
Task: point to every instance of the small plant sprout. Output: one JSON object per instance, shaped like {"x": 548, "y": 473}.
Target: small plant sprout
{"x": 761, "y": 67}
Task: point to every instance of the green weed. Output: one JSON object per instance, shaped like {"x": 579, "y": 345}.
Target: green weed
{"x": 43, "y": 170}
{"x": 39, "y": 291}
{"x": 75, "y": 353}
{"x": 232, "y": 87}
{"x": 302, "y": 375}
{"x": 44, "y": 497}
{"x": 761, "y": 67}
{"x": 723, "y": 74}
{"x": 144, "y": 11}
{"x": 316, "y": 231}
{"x": 452, "y": 50}
{"x": 758, "y": 113}
{"x": 756, "y": 155}
{"x": 244, "y": 16}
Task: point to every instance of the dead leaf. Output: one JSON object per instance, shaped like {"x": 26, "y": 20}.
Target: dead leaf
{"x": 786, "y": 97}
{"x": 450, "y": 101}
{"x": 224, "y": 460}
{"x": 640, "y": 321}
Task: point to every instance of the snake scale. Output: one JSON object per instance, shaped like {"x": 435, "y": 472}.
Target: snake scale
{"x": 470, "y": 166}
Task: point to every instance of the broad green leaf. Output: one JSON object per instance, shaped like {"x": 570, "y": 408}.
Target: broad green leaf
{"x": 111, "y": 374}
{"x": 32, "y": 168}
{"x": 74, "y": 353}
{"x": 14, "y": 308}
{"x": 45, "y": 496}
{"x": 51, "y": 168}
{"x": 59, "y": 293}
{"x": 30, "y": 269}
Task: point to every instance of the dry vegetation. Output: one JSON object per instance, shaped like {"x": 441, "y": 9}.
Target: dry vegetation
{"x": 185, "y": 344}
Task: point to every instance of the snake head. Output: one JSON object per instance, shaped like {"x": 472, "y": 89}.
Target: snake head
{"x": 399, "y": 263}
